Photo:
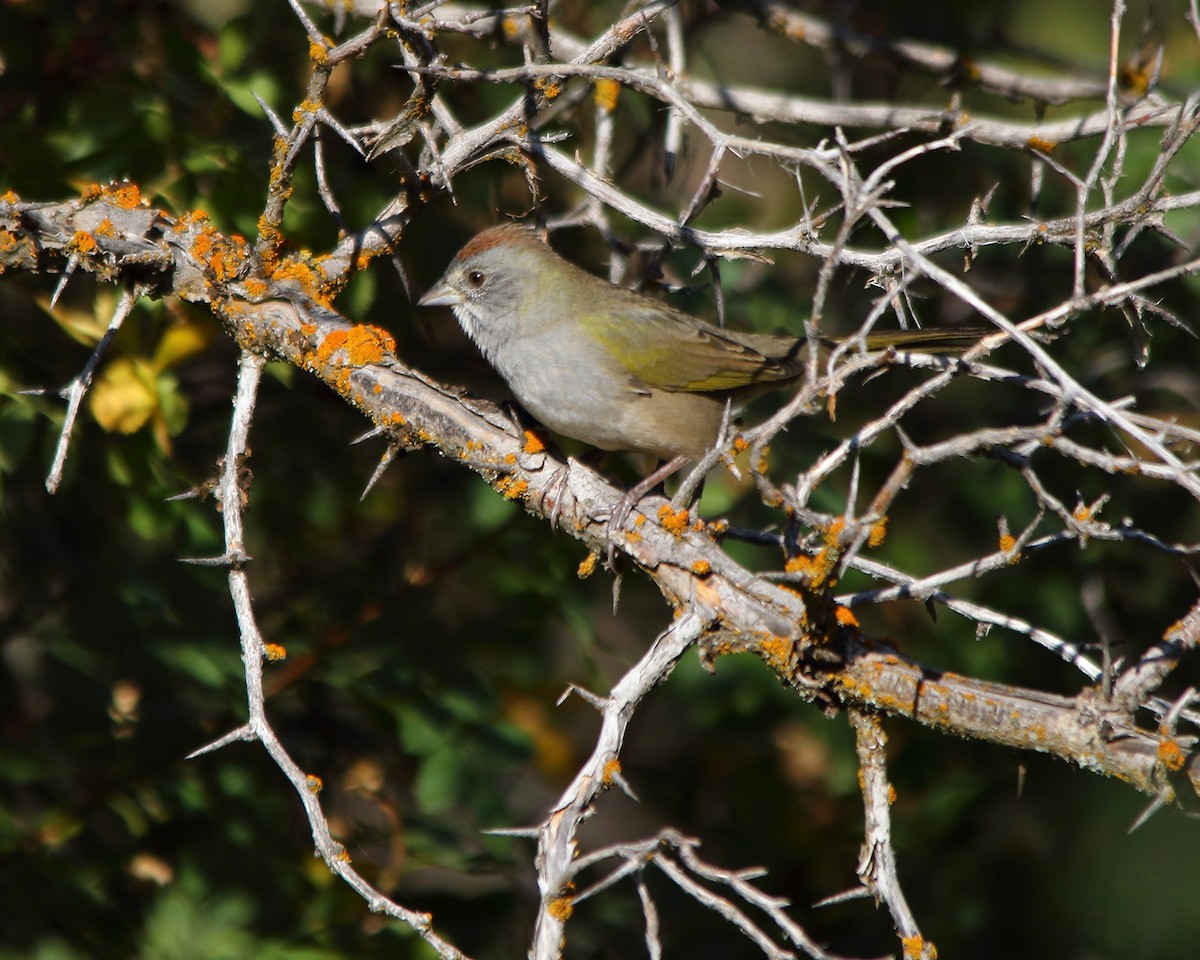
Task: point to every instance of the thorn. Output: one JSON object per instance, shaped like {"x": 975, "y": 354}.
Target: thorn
{"x": 245, "y": 733}
{"x": 62, "y": 284}
{"x": 526, "y": 832}
{"x": 855, "y": 893}
{"x": 600, "y": 703}
{"x": 225, "y": 560}
{"x": 1160, "y": 801}
{"x": 618, "y": 778}
{"x": 757, "y": 873}
{"x": 390, "y": 454}
{"x": 373, "y": 432}
{"x": 280, "y": 129}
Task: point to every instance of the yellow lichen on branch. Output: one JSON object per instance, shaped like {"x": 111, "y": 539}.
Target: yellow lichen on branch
{"x": 673, "y": 521}
{"x": 532, "y": 443}
{"x": 362, "y": 345}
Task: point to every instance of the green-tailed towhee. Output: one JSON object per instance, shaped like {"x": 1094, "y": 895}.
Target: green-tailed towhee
{"x": 608, "y": 366}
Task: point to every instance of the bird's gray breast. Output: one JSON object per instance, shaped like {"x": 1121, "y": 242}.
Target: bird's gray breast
{"x": 570, "y": 385}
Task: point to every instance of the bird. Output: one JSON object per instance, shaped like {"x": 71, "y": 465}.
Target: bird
{"x": 609, "y": 366}
{"x": 614, "y": 368}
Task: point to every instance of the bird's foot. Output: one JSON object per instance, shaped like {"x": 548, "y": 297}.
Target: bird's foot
{"x": 620, "y": 514}
{"x": 555, "y": 492}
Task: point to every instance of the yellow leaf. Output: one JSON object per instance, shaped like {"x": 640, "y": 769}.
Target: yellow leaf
{"x": 179, "y": 342}
{"x": 123, "y": 397}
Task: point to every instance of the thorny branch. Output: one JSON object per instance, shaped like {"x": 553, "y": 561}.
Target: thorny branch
{"x": 279, "y": 304}
{"x": 231, "y": 495}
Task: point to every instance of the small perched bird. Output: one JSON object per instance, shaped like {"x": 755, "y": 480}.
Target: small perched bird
{"x": 611, "y": 367}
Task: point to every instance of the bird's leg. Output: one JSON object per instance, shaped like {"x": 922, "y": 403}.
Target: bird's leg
{"x": 616, "y": 522}
{"x": 556, "y": 487}
{"x": 554, "y": 490}
{"x": 692, "y": 486}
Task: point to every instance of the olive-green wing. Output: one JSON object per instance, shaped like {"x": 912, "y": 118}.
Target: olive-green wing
{"x": 669, "y": 350}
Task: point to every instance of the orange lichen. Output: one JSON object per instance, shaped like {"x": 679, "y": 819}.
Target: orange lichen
{"x": 587, "y": 566}
{"x": 816, "y": 569}
{"x": 675, "y": 522}
{"x": 334, "y": 341}
{"x": 801, "y": 563}
{"x": 10, "y": 196}
{"x": 1170, "y": 756}
{"x": 560, "y": 909}
{"x": 317, "y": 52}
{"x": 777, "y": 651}
{"x": 256, "y": 288}
{"x": 878, "y": 533}
{"x": 1041, "y": 144}
{"x": 125, "y": 195}
{"x": 224, "y": 256}
{"x": 203, "y": 244}
{"x": 362, "y": 343}
{"x": 512, "y": 488}
{"x": 1007, "y": 542}
{"x": 612, "y": 767}
{"x": 82, "y": 242}
{"x": 548, "y": 88}
{"x": 314, "y": 783}
{"x": 343, "y": 855}
{"x": 845, "y": 617}
{"x": 740, "y": 444}
{"x": 303, "y": 274}
{"x": 532, "y": 443}
{"x": 856, "y": 687}
{"x": 701, "y": 568}
{"x": 396, "y": 419}
{"x": 105, "y": 228}
{"x": 274, "y": 652}
{"x": 304, "y": 107}
{"x": 917, "y": 947}
{"x": 269, "y": 236}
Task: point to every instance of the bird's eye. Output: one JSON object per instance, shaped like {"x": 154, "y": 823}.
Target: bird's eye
{"x": 475, "y": 278}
